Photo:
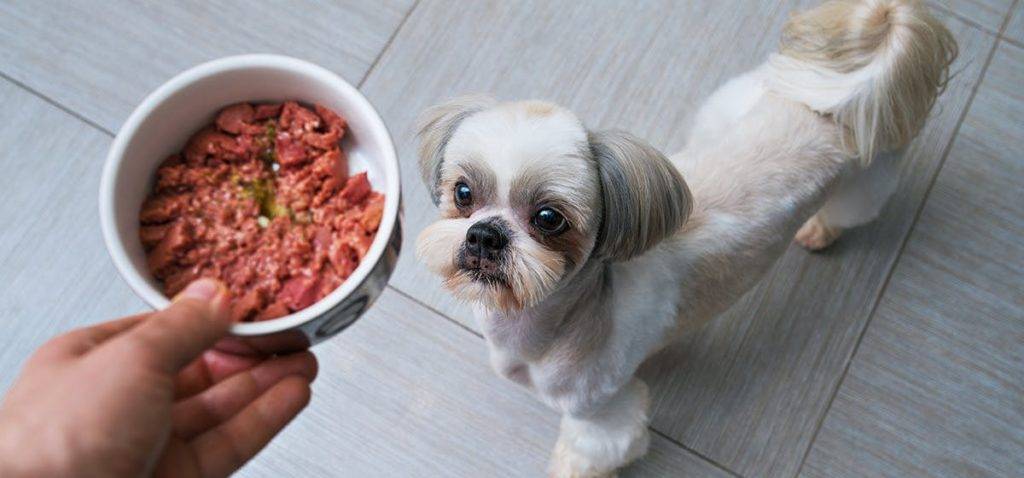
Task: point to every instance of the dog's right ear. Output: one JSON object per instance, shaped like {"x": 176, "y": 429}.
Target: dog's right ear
{"x": 645, "y": 198}
{"x": 435, "y": 128}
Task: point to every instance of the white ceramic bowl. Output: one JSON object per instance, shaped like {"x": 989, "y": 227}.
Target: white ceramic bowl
{"x": 165, "y": 120}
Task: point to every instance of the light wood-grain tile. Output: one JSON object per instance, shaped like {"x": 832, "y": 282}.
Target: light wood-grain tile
{"x": 937, "y": 385}
{"x": 55, "y": 271}
{"x": 1015, "y": 29}
{"x": 100, "y": 58}
{"x": 987, "y": 13}
{"x": 406, "y": 393}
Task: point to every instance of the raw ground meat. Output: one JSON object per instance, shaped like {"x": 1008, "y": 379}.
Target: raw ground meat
{"x": 261, "y": 200}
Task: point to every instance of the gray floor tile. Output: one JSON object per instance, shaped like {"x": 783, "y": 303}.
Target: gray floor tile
{"x": 100, "y": 58}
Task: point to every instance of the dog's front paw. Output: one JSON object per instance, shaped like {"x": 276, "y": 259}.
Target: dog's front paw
{"x": 568, "y": 463}
{"x": 815, "y": 235}
{"x": 605, "y": 441}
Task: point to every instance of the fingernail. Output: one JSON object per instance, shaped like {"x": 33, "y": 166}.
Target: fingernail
{"x": 202, "y": 289}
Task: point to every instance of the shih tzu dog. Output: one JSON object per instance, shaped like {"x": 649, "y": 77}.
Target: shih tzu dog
{"x": 586, "y": 252}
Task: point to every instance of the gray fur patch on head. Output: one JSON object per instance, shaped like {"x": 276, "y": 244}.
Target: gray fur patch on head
{"x": 435, "y": 129}
{"x": 645, "y": 198}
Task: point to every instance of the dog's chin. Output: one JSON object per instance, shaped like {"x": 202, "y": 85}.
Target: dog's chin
{"x": 491, "y": 291}
{"x": 512, "y": 289}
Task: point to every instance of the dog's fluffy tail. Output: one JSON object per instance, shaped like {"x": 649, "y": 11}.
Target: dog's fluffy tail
{"x": 874, "y": 66}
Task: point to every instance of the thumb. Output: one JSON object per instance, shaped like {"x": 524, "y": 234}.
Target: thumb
{"x": 171, "y": 338}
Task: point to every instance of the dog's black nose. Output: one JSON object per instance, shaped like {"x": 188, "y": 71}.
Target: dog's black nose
{"x": 486, "y": 237}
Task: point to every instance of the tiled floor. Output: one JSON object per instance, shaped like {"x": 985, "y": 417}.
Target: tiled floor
{"x": 896, "y": 353}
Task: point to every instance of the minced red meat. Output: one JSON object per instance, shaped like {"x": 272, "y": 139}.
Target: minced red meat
{"x": 261, "y": 200}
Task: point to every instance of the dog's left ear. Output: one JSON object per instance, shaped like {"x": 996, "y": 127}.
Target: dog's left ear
{"x": 645, "y": 197}
{"x": 435, "y": 128}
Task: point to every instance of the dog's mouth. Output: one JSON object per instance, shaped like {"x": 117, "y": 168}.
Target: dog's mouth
{"x": 477, "y": 275}
{"x": 487, "y": 285}
{"x": 485, "y": 270}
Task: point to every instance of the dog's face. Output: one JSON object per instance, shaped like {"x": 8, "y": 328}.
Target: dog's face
{"x": 527, "y": 196}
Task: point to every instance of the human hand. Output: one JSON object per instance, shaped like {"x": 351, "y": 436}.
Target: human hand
{"x": 144, "y": 395}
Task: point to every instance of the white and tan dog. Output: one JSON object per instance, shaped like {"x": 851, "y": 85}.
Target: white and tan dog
{"x": 586, "y": 252}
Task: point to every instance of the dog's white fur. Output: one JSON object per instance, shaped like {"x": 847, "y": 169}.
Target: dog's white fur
{"x": 809, "y": 138}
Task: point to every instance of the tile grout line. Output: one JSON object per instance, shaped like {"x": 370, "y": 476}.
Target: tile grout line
{"x": 387, "y": 45}
{"x": 55, "y": 104}
{"x": 680, "y": 444}
{"x": 1011, "y": 41}
{"x": 438, "y": 312}
{"x": 998, "y": 34}
{"x": 906, "y": 239}
{"x": 668, "y": 438}
{"x": 962, "y": 18}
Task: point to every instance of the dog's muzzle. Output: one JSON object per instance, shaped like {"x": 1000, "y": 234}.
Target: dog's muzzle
{"x": 483, "y": 249}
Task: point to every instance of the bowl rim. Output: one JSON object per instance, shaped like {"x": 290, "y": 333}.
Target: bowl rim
{"x": 115, "y": 157}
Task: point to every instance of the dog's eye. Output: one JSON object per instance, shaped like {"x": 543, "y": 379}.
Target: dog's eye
{"x": 549, "y": 221}
{"x": 463, "y": 195}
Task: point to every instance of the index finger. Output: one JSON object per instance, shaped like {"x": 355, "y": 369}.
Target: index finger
{"x": 171, "y": 338}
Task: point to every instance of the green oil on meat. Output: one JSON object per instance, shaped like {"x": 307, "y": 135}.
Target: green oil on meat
{"x": 262, "y": 190}
{"x": 267, "y": 153}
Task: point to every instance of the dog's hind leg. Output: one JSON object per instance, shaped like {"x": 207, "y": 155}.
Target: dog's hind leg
{"x": 857, "y": 199}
